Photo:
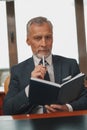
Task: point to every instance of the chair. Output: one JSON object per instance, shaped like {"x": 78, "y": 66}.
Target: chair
{"x": 6, "y": 84}
{"x": 85, "y": 82}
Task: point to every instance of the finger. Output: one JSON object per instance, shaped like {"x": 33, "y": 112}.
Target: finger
{"x": 50, "y": 109}
{"x": 57, "y": 107}
{"x": 47, "y": 111}
{"x": 40, "y": 69}
{"x": 38, "y": 72}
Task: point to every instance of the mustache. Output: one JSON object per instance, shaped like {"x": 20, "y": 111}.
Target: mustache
{"x": 43, "y": 49}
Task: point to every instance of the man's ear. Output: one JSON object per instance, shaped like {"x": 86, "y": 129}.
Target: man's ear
{"x": 28, "y": 41}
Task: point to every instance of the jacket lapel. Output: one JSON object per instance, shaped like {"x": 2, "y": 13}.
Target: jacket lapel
{"x": 57, "y": 69}
{"x": 30, "y": 66}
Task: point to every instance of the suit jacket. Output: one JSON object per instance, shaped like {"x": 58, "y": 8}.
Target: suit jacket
{"x": 16, "y": 101}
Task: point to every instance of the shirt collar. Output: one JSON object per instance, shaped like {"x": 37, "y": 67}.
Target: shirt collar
{"x": 37, "y": 60}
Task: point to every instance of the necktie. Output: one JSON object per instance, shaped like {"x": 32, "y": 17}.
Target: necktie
{"x": 46, "y": 77}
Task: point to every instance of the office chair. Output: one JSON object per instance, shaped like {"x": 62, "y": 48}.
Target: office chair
{"x": 6, "y": 84}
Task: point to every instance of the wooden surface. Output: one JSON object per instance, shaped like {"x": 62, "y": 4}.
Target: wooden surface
{"x": 38, "y": 116}
{"x": 51, "y": 115}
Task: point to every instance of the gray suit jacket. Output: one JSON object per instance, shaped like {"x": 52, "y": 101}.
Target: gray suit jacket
{"x": 16, "y": 101}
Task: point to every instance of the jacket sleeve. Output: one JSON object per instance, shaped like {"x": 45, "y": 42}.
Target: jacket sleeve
{"x": 81, "y": 102}
{"x": 16, "y": 101}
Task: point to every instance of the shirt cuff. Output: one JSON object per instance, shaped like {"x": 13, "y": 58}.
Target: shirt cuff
{"x": 27, "y": 90}
{"x": 69, "y": 107}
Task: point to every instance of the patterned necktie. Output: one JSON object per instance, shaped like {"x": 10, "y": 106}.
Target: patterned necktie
{"x": 46, "y": 77}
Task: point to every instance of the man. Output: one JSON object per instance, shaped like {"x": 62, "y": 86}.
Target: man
{"x": 85, "y": 81}
{"x": 40, "y": 38}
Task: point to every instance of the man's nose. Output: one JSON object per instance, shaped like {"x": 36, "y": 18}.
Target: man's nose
{"x": 43, "y": 42}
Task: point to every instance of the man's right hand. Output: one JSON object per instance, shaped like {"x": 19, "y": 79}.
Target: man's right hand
{"x": 39, "y": 72}
{"x": 56, "y": 108}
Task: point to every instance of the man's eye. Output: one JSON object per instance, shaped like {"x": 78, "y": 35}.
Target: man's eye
{"x": 37, "y": 38}
{"x": 48, "y": 37}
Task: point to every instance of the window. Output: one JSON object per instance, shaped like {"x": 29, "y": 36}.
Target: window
{"x": 62, "y": 15}
{"x": 4, "y": 57}
{"x": 85, "y": 14}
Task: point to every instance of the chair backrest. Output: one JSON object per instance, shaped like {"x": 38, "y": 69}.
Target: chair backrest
{"x": 6, "y": 84}
{"x": 85, "y": 82}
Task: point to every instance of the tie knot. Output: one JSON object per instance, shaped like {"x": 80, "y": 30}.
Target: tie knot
{"x": 45, "y": 62}
{"x": 46, "y": 77}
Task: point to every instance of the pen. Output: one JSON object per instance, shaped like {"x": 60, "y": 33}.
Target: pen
{"x": 43, "y": 61}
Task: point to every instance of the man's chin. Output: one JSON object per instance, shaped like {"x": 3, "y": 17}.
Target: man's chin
{"x": 41, "y": 55}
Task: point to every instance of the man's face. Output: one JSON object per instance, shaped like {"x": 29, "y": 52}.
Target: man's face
{"x": 40, "y": 39}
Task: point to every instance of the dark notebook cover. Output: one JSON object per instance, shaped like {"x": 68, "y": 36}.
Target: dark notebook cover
{"x": 43, "y": 92}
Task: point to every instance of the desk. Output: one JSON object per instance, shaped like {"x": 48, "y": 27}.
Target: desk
{"x": 51, "y": 115}
{"x": 58, "y": 121}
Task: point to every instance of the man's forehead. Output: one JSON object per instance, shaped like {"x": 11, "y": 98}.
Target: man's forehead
{"x": 42, "y": 34}
{"x": 44, "y": 29}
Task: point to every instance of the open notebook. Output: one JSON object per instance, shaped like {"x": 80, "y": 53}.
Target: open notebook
{"x": 43, "y": 92}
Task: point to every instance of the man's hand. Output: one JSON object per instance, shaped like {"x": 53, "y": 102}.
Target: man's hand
{"x": 39, "y": 72}
{"x": 56, "y": 108}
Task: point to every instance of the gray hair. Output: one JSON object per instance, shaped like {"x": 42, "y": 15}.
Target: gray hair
{"x": 38, "y": 20}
